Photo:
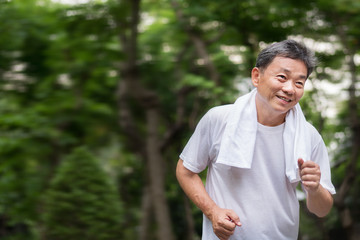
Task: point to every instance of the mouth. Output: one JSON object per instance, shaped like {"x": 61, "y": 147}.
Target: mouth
{"x": 284, "y": 98}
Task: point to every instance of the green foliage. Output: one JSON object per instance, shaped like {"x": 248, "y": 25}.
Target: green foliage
{"x": 60, "y": 71}
{"x": 81, "y": 202}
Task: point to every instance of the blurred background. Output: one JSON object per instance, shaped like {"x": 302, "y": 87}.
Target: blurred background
{"x": 98, "y": 98}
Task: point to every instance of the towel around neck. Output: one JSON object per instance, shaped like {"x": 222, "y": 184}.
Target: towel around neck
{"x": 238, "y": 142}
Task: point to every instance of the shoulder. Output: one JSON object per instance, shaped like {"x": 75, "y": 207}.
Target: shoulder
{"x": 215, "y": 120}
{"x": 219, "y": 114}
{"x": 311, "y": 128}
{"x": 313, "y": 134}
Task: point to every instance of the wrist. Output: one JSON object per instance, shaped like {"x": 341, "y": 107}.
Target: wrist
{"x": 315, "y": 191}
{"x": 210, "y": 211}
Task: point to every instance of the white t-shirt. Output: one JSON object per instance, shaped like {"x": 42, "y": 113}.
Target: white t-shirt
{"x": 262, "y": 196}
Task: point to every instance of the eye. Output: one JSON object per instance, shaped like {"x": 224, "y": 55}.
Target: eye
{"x": 300, "y": 84}
{"x": 282, "y": 77}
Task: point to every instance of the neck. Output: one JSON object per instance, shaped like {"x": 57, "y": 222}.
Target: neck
{"x": 271, "y": 122}
{"x": 267, "y": 117}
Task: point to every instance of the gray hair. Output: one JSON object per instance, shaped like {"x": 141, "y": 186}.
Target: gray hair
{"x": 289, "y": 49}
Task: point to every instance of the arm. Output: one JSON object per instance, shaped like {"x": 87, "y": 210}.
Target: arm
{"x": 224, "y": 220}
{"x": 319, "y": 200}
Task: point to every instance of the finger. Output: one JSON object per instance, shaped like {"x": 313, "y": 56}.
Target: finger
{"x": 310, "y": 172}
{"x": 309, "y": 164}
{"x": 222, "y": 237}
{"x": 234, "y": 218}
{"x": 223, "y": 233}
{"x": 228, "y": 225}
{"x": 311, "y": 186}
{"x": 300, "y": 162}
{"x": 310, "y": 178}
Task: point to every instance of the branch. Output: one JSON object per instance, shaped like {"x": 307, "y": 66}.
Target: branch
{"x": 170, "y": 135}
{"x": 199, "y": 43}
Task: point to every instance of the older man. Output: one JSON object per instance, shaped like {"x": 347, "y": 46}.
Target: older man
{"x": 256, "y": 151}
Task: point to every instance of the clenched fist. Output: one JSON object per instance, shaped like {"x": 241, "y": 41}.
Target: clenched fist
{"x": 310, "y": 175}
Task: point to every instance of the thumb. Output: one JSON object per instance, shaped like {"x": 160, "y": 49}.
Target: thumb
{"x": 234, "y": 218}
{"x": 300, "y": 162}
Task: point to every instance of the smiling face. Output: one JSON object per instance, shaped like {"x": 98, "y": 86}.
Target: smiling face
{"x": 280, "y": 87}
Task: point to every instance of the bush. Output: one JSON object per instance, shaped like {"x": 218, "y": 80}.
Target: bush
{"x": 81, "y": 203}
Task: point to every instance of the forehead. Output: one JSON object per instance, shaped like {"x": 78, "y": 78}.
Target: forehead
{"x": 288, "y": 65}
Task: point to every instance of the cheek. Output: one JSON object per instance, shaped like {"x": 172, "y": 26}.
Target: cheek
{"x": 299, "y": 94}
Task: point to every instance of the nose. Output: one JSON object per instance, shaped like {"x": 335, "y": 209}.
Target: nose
{"x": 288, "y": 88}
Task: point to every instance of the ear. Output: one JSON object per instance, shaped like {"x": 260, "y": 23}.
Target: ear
{"x": 255, "y": 76}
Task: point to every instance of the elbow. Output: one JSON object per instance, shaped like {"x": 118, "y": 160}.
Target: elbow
{"x": 179, "y": 172}
{"x": 322, "y": 214}
{"x": 183, "y": 175}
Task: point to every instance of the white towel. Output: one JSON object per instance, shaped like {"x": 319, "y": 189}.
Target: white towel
{"x": 238, "y": 142}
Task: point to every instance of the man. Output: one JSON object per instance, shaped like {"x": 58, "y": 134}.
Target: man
{"x": 257, "y": 150}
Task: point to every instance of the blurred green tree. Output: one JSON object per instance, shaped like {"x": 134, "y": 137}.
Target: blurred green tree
{"x": 339, "y": 20}
{"x": 130, "y": 80}
{"x": 81, "y": 202}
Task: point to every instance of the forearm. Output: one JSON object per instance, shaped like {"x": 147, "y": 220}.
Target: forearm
{"x": 194, "y": 188}
{"x": 319, "y": 202}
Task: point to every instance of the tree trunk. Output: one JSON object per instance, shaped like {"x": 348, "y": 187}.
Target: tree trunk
{"x": 146, "y": 207}
{"x": 157, "y": 176}
{"x": 148, "y": 146}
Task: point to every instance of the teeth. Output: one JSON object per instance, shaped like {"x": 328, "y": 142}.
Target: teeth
{"x": 285, "y": 99}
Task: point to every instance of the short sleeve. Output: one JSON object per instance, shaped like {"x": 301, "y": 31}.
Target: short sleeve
{"x": 196, "y": 152}
{"x": 320, "y": 156}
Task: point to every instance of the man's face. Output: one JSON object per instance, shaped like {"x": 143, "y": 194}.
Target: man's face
{"x": 280, "y": 86}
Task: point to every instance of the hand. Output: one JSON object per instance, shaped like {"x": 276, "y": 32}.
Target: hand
{"x": 224, "y": 222}
{"x": 310, "y": 175}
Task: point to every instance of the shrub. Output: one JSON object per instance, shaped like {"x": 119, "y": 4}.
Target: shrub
{"x": 81, "y": 202}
